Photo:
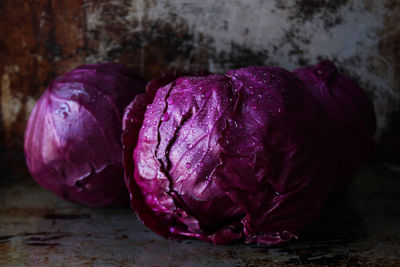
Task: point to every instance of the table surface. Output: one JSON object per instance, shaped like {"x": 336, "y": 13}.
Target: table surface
{"x": 360, "y": 227}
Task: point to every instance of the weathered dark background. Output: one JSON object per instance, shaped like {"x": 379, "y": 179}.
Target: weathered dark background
{"x": 41, "y": 39}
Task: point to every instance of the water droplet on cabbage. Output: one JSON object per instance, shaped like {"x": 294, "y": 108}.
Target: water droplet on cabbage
{"x": 170, "y": 101}
{"x": 63, "y": 110}
{"x": 165, "y": 117}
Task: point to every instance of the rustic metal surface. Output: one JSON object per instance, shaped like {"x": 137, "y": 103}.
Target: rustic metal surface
{"x": 43, "y": 38}
{"x": 359, "y": 228}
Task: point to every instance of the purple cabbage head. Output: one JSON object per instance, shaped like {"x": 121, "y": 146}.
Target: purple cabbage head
{"x": 351, "y": 112}
{"x": 73, "y": 136}
{"x": 243, "y": 156}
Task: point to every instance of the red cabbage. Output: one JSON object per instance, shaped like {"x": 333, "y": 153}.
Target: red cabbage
{"x": 73, "y": 136}
{"x": 244, "y": 156}
{"x": 351, "y": 112}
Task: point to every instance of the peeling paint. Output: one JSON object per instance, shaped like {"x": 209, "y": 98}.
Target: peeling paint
{"x": 223, "y": 35}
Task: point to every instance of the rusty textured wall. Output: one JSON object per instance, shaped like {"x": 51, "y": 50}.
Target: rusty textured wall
{"x": 43, "y": 38}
